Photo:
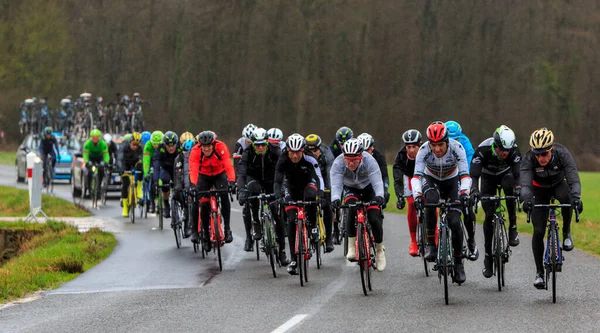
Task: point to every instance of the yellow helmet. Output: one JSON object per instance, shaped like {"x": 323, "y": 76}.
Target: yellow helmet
{"x": 313, "y": 141}
{"x": 541, "y": 140}
{"x": 186, "y": 136}
{"x": 136, "y": 138}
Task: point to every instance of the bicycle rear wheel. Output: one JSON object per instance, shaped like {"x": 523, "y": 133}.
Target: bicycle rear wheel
{"x": 159, "y": 211}
{"x": 217, "y": 231}
{"x": 176, "y": 223}
{"x": 362, "y": 257}
{"x": 270, "y": 243}
{"x": 443, "y": 254}
{"x": 300, "y": 246}
{"x": 306, "y": 247}
{"x": 497, "y": 251}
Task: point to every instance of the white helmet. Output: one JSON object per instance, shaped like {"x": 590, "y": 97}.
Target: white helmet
{"x": 352, "y": 147}
{"x": 504, "y": 138}
{"x": 275, "y": 135}
{"x": 247, "y": 131}
{"x": 65, "y": 101}
{"x": 107, "y": 138}
{"x": 295, "y": 142}
{"x": 367, "y": 140}
{"x": 259, "y": 136}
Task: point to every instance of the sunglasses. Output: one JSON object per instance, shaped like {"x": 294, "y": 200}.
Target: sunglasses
{"x": 260, "y": 145}
{"x": 544, "y": 154}
{"x": 352, "y": 157}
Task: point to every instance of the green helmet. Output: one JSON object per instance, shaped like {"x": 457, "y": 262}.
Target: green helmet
{"x": 156, "y": 137}
{"x": 95, "y": 132}
{"x": 48, "y": 130}
{"x": 127, "y": 137}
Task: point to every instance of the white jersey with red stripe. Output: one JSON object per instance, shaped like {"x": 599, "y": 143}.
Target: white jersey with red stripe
{"x": 451, "y": 165}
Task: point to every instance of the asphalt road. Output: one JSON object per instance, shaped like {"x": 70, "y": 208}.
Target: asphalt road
{"x": 148, "y": 285}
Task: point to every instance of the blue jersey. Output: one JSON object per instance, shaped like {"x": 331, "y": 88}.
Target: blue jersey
{"x": 466, "y": 143}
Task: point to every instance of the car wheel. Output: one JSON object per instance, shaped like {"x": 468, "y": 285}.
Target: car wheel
{"x": 74, "y": 191}
{"x": 19, "y": 179}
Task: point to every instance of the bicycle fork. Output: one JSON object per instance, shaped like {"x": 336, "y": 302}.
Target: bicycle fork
{"x": 302, "y": 217}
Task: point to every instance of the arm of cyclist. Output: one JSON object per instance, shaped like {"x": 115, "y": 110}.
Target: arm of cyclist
{"x": 516, "y": 164}
{"x": 241, "y": 170}
{"x": 337, "y": 178}
{"x": 463, "y": 174}
{"x": 105, "y": 154}
{"x": 222, "y": 150}
{"x": 317, "y": 175}
{"x": 398, "y": 175}
{"x": 147, "y": 157}
{"x": 476, "y": 167}
{"x": 375, "y": 177}
{"x": 571, "y": 173}
{"x": 86, "y": 151}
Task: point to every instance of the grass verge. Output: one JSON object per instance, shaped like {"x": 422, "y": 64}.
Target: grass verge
{"x": 7, "y": 158}
{"x": 56, "y": 255}
{"x": 586, "y": 233}
{"x": 15, "y": 202}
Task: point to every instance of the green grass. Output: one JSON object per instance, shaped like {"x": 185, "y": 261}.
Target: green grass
{"x": 586, "y": 233}
{"x": 56, "y": 255}
{"x": 15, "y": 202}
{"x": 7, "y": 157}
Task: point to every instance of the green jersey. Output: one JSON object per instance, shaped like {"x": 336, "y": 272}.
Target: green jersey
{"x": 95, "y": 152}
{"x": 147, "y": 157}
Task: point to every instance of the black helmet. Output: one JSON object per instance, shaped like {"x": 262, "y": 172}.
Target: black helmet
{"x": 344, "y": 134}
{"x": 412, "y": 137}
{"x": 206, "y": 138}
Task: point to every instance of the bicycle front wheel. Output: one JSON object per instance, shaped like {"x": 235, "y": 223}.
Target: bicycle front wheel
{"x": 217, "y": 231}
{"x": 553, "y": 259}
{"x": 270, "y": 245}
{"x": 176, "y": 223}
{"x": 443, "y": 255}
{"x": 497, "y": 251}
{"x": 300, "y": 246}
{"x": 362, "y": 257}
{"x": 421, "y": 239}
{"x": 131, "y": 204}
{"x": 159, "y": 211}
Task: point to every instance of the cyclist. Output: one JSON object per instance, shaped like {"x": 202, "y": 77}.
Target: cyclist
{"x": 145, "y": 137}
{"x": 368, "y": 145}
{"x": 163, "y": 163}
{"x": 548, "y": 170}
{"x": 497, "y": 161}
{"x": 130, "y": 160}
{"x": 440, "y": 173}
{"x": 210, "y": 165}
{"x": 342, "y": 135}
{"x": 275, "y": 136}
{"x": 95, "y": 151}
{"x": 403, "y": 170}
{"x": 304, "y": 182}
{"x": 242, "y": 143}
{"x": 182, "y": 178}
{"x": 356, "y": 174}
{"x": 323, "y": 155}
{"x": 455, "y": 132}
{"x": 112, "y": 148}
{"x": 255, "y": 174}
{"x": 49, "y": 146}
{"x": 156, "y": 139}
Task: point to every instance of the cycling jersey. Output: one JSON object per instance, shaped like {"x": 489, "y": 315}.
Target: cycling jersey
{"x": 380, "y": 158}
{"x": 367, "y": 173}
{"x": 325, "y": 161}
{"x": 47, "y": 145}
{"x": 485, "y": 161}
{"x": 298, "y": 175}
{"x": 147, "y": 157}
{"x": 238, "y": 151}
{"x": 336, "y": 148}
{"x": 95, "y": 152}
{"x": 452, "y": 164}
{"x": 256, "y": 166}
{"x": 129, "y": 158}
{"x": 163, "y": 160}
{"x": 218, "y": 162}
{"x": 561, "y": 167}
{"x": 403, "y": 170}
{"x": 182, "y": 171}
{"x": 466, "y": 143}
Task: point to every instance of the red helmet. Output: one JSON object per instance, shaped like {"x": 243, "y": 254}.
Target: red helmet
{"x": 437, "y": 132}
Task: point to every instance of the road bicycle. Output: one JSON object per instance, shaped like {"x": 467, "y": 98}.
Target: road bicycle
{"x": 178, "y": 215}
{"x": 302, "y": 248}
{"x": 49, "y": 174}
{"x": 553, "y": 257}
{"x": 270, "y": 245}
{"x": 131, "y": 192}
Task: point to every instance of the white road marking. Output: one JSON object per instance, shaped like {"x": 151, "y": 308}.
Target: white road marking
{"x": 290, "y": 323}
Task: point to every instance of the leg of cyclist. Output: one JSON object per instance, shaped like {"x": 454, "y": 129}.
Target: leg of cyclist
{"x": 488, "y": 188}
{"x": 291, "y": 213}
{"x": 165, "y": 177}
{"x": 351, "y": 196}
{"x": 508, "y": 186}
{"x": 374, "y": 218}
{"x": 563, "y": 194}
{"x": 138, "y": 177}
{"x": 328, "y": 221}
{"x": 221, "y": 183}
{"x": 539, "y": 216}
{"x": 279, "y": 228}
{"x": 204, "y": 184}
{"x": 254, "y": 188}
{"x": 449, "y": 189}
{"x": 411, "y": 217}
{"x": 432, "y": 195}
{"x": 247, "y": 217}
{"x": 44, "y": 158}
{"x": 125, "y": 180}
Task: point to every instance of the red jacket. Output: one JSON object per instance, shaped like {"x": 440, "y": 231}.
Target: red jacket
{"x": 212, "y": 165}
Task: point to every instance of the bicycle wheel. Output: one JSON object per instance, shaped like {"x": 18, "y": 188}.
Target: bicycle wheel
{"x": 270, "y": 246}
{"x": 371, "y": 253}
{"x": 344, "y": 232}
{"x": 159, "y": 210}
{"x": 300, "y": 246}
{"x": 131, "y": 203}
{"x": 215, "y": 223}
{"x": 421, "y": 239}
{"x": 176, "y": 223}
{"x": 257, "y": 243}
{"x": 497, "y": 252}
{"x": 553, "y": 258}
{"x": 103, "y": 189}
{"x": 443, "y": 254}
{"x": 362, "y": 257}
{"x": 94, "y": 190}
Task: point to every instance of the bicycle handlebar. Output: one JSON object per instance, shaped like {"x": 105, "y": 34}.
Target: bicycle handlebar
{"x": 554, "y": 206}
{"x": 262, "y": 196}
{"x": 300, "y": 203}
{"x": 495, "y": 198}
{"x": 212, "y": 192}
{"x": 356, "y": 204}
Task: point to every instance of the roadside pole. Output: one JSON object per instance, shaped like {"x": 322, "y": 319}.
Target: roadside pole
{"x": 34, "y": 180}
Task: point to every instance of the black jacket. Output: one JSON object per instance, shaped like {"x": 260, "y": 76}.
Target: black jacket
{"x": 163, "y": 160}
{"x": 259, "y": 167}
{"x": 130, "y": 157}
{"x": 486, "y": 162}
{"x": 380, "y": 158}
{"x": 297, "y": 175}
{"x": 403, "y": 166}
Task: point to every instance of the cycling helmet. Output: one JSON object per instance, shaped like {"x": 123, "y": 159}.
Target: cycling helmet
{"x": 145, "y": 137}
{"x": 127, "y": 137}
{"x": 136, "y": 94}
{"x": 412, "y": 137}
{"x": 136, "y": 138}
{"x": 29, "y": 101}
{"x": 454, "y": 129}
{"x": 259, "y": 137}
{"x": 156, "y": 137}
{"x": 352, "y": 147}
{"x": 344, "y": 134}
{"x": 65, "y": 101}
{"x": 313, "y": 142}
{"x": 295, "y": 142}
{"x": 125, "y": 99}
{"x": 504, "y": 138}
{"x": 206, "y": 138}
{"x": 247, "y": 131}
{"x": 541, "y": 140}
{"x": 367, "y": 140}
{"x": 437, "y": 132}
{"x": 170, "y": 139}
{"x": 275, "y": 135}
{"x": 99, "y": 99}
{"x": 186, "y": 136}
{"x": 188, "y": 144}
{"x": 95, "y": 133}
{"x": 107, "y": 138}
{"x": 85, "y": 95}
{"x": 48, "y": 130}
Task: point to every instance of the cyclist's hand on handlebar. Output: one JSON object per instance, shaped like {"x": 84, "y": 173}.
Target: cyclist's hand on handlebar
{"x": 335, "y": 204}
{"x": 232, "y": 187}
{"x": 578, "y": 205}
{"x": 242, "y": 196}
{"x": 419, "y": 203}
{"x": 517, "y": 191}
{"x": 475, "y": 194}
{"x": 379, "y": 201}
{"x": 527, "y": 206}
{"x": 401, "y": 203}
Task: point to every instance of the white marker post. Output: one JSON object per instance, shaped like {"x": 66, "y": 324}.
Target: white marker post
{"x": 34, "y": 179}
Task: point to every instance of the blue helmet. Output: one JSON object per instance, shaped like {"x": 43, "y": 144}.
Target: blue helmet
{"x": 454, "y": 129}
{"x": 145, "y": 137}
{"x": 188, "y": 144}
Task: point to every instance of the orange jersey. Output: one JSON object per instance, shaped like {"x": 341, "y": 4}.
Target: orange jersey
{"x": 212, "y": 165}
